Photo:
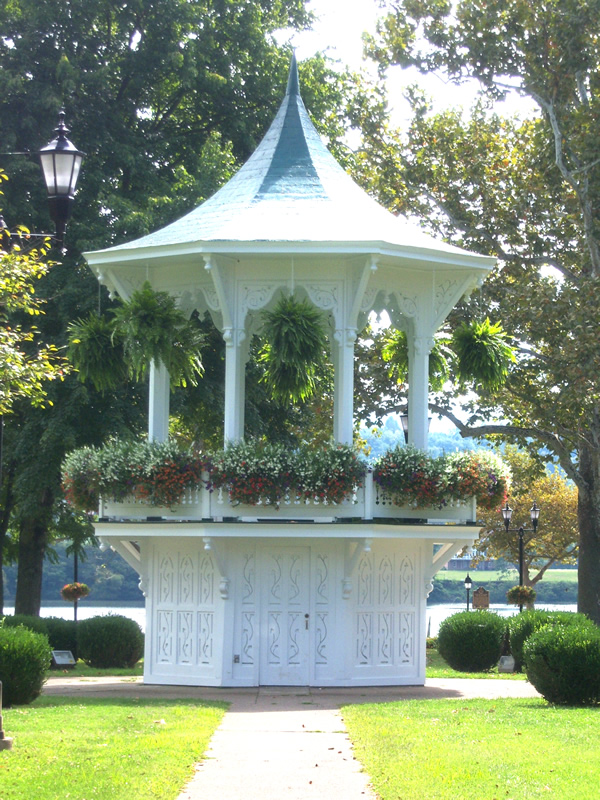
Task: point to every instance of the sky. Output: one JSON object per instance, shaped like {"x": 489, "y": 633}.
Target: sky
{"x": 338, "y": 31}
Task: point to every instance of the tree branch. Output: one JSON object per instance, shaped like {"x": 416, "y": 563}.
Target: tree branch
{"x": 539, "y": 261}
{"x": 551, "y": 439}
{"x": 581, "y": 191}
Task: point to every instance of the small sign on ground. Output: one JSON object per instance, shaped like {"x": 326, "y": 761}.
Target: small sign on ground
{"x": 63, "y": 659}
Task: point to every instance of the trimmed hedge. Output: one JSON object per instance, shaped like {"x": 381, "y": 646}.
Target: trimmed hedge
{"x": 35, "y": 624}
{"x": 25, "y": 658}
{"x": 521, "y": 627}
{"x": 471, "y": 641}
{"x": 61, "y": 633}
{"x": 563, "y": 663}
{"x": 110, "y": 641}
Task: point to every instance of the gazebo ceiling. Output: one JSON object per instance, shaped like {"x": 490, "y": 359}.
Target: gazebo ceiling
{"x": 291, "y": 196}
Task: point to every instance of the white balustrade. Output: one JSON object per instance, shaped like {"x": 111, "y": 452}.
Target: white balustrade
{"x": 367, "y": 502}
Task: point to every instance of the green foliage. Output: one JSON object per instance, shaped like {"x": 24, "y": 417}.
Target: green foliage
{"x": 153, "y": 329}
{"x": 26, "y": 365}
{"x": 35, "y": 624}
{"x": 483, "y": 354}
{"x": 471, "y": 641}
{"x": 96, "y": 351}
{"x": 409, "y": 475}
{"x": 522, "y": 626}
{"x": 295, "y": 348}
{"x": 110, "y": 641}
{"x": 167, "y": 99}
{"x": 477, "y": 473}
{"x": 448, "y": 587}
{"x": 526, "y": 190}
{"x": 556, "y": 538}
{"x": 25, "y": 658}
{"x": 563, "y": 663}
{"x": 62, "y": 634}
{"x": 269, "y": 472}
{"x": 158, "y": 473}
{"x": 394, "y": 351}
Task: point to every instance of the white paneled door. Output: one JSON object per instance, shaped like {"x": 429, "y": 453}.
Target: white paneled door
{"x": 285, "y": 616}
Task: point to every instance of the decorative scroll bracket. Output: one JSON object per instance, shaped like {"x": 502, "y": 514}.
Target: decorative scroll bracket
{"x": 209, "y": 546}
{"x": 350, "y": 563}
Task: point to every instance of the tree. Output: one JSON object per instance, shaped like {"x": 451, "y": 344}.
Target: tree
{"x": 167, "y": 98}
{"x": 26, "y": 365}
{"x": 526, "y": 191}
{"x": 557, "y": 535}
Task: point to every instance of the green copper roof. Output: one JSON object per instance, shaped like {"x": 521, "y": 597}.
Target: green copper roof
{"x": 290, "y": 190}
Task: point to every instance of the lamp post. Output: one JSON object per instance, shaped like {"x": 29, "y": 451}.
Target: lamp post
{"x": 534, "y": 515}
{"x": 468, "y": 584}
{"x": 61, "y": 162}
{"x": 404, "y": 423}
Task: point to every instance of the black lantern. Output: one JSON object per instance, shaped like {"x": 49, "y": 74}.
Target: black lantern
{"x": 468, "y": 584}
{"x": 507, "y": 515}
{"x": 535, "y": 515}
{"x": 61, "y": 162}
{"x": 404, "y": 423}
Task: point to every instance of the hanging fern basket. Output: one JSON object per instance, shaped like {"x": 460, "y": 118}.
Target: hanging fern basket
{"x": 295, "y": 348}
{"x": 483, "y": 353}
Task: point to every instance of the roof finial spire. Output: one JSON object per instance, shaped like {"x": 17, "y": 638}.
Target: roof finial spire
{"x": 293, "y": 86}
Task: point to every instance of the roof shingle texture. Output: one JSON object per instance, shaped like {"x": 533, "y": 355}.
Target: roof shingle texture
{"x": 291, "y": 190}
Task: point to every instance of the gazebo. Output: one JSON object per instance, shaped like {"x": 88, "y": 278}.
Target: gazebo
{"x": 304, "y": 594}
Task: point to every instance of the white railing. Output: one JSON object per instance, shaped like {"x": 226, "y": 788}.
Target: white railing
{"x": 368, "y": 502}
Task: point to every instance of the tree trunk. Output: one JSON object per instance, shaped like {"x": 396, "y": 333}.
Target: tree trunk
{"x": 33, "y": 537}
{"x": 7, "y": 504}
{"x": 588, "y": 512}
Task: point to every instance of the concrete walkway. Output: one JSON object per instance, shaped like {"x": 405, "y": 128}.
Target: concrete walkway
{"x": 287, "y": 742}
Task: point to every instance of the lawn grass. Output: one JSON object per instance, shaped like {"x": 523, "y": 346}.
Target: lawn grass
{"x": 436, "y": 667}
{"x": 81, "y": 670}
{"x": 510, "y": 749}
{"x": 122, "y": 749}
{"x": 487, "y": 576}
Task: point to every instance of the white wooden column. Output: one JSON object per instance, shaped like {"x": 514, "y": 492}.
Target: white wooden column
{"x": 343, "y": 405}
{"x": 235, "y": 383}
{"x": 418, "y": 389}
{"x": 158, "y": 403}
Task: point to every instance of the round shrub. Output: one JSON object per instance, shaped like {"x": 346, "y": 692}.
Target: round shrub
{"x": 62, "y": 634}
{"x": 111, "y": 641}
{"x": 35, "y": 624}
{"x": 521, "y": 626}
{"x": 25, "y": 658}
{"x": 471, "y": 641}
{"x": 563, "y": 663}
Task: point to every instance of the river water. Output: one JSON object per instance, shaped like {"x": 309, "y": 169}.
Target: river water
{"x": 435, "y": 614}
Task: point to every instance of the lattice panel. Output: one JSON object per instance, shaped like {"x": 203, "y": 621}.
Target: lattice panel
{"x": 385, "y": 609}
{"x": 184, "y": 608}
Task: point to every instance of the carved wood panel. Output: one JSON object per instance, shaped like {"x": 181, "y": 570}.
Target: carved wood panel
{"x": 284, "y": 623}
{"x": 385, "y": 609}
{"x": 184, "y": 607}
